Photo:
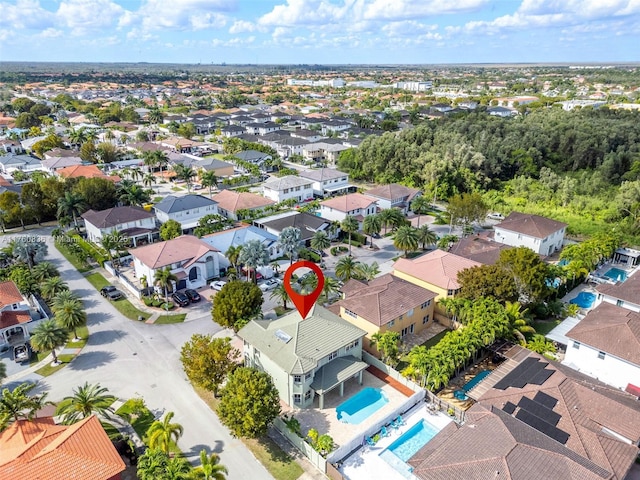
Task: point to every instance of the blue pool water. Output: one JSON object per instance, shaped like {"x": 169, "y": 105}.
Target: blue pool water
{"x": 413, "y": 440}
{"x": 584, "y": 299}
{"x": 475, "y": 380}
{"x": 616, "y": 274}
{"x": 362, "y": 405}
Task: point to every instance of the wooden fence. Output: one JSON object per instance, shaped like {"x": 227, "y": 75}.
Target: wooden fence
{"x": 393, "y": 373}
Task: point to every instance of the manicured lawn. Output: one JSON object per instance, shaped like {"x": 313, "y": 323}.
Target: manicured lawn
{"x": 166, "y": 319}
{"x": 48, "y": 369}
{"x": 83, "y": 335}
{"x": 433, "y": 341}
{"x": 281, "y": 311}
{"x": 277, "y": 462}
{"x": 123, "y": 305}
{"x": 73, "y": 260}
{"x": 140, "y": 420}
{"x": 545, "y": 326}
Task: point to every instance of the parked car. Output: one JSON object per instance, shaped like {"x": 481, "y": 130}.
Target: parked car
{"x": 192, "y": 295}
{"x": 111, "y": 292}
{"x": 217, "y": 285}
{"x": 495, "y": 216}
{"x": 180, "y": 299}
{"x": 22, "y": 353}
{"x": 269, "y": 284}
{"x": 105, "y": 290}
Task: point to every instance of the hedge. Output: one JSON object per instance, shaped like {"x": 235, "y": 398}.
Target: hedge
{"x": 90, "y": 249}
{"x": 305, "y": 254}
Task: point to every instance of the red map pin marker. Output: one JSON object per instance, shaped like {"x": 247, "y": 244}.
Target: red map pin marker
{"x": 303, "y": 303}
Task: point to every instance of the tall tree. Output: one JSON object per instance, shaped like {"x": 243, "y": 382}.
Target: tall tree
{"x": 49, "y": 336}
{"x": 349, "y": 225}
{"x": 406, "y": 238}
{"x": 71, "y": 205}
{"x": 233, "y": 254}
{"x": 86, "y": 400}
{"x": 170, "y": 229}
{"x": 372, "y": 225}
{"x": 44, "y": 270}
{"x": 50, "y": 287}
{"x": 289, "y": 240}
{"x": 320, "y": 240}
{"x": 466, "y": 208}
{"x": 210, "y": 467}
{"x": 17, "y": 403}
{"x": 134, "y": 195}
{"x": 237, "y": 303}
{"x": 165, "y": 280}
{"x": 254, "y": 254}
{"x": 426, "y": 236}
{"x": 280, "y": 293}
{"x": 71, "y": 315}
{"x": 30, "y": 250}
{"x": 420, "y": 205}
{"x": 366, "y": 271}
{"x": 209, "y": 180}
{"x": 388, "y": 344}
{"x": 185, "y": 173}
{"x": 163, "y": 432}
{"x": 346, "y": 268}
{"x": 207, "y": 360}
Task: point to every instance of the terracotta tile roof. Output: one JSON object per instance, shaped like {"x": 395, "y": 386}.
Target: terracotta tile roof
{"x": 610, "y": 329}
{"x": 629, "y": 290}
{"x": 393, "y": 191}
{"x": 479, "y": 248}
{"x": 87, "y": 171}
{"x": 9, "y": 293}
{"x": 383, "y": 299}
{"x": 233, "y": 201}
{"x": 531, "y": 225}
{"x": 9, "y": 318}
{"x": 113, "y": 217}
{"x": 181, "y": 249}
{"x": 347, "y": 203}
{"x": 41, "y": 450}
{"x": 438, "y": 268}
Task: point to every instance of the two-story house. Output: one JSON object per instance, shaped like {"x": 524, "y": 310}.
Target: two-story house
{"x": 353, "y": 204}
{"x": 384, "y": 304}
{"x": 305, "y": 357}
{"x": 19, "y": 163}
{"x": 255, "y": 157}
{"x": 305, "y": 222}
{"x": 134, "y": 223}
{"x": 186, "y": 210}
{"x": 288, "y": 187}
{"x": 542, "y": 235}
{"x": 232, "y": 204}
{"x": 436, "y": 271}
{"x": 17, "y": 317}
{"x": 328, "y": 182}
{"x": 324, "y": 153}
{"x": 393, "y": 196}
{"x": 191, "y": 260}
{"x": 236, "y": 237}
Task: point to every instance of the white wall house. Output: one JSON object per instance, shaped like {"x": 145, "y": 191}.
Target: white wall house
{"x": 24, "y": 163}
{"x": 353, "y": 204}
{"x": 542, "y": 235}
{"x": 393, "y": 195}
{"x": 328, "y": 181}
{"x": 134, "y": 223}
{"x": 288, "y": 187}
{"x": 235, "y": 237}
{"x": 17, "y": 319}
{"x": 187, "y": 209}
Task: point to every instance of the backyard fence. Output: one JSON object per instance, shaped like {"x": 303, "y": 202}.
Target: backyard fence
{"x": 123, "y": 279}
{"x": 393, "y": 373}
{"x": 443, "y": 405}
{"x": 307, "y": 450}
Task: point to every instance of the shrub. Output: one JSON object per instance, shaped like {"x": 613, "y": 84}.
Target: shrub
{"x": 167, "y": 305}
{"x": 156, "y": 303}
{"x": 148, "y": 301}
{"x": 305, "y": 254}
{"x": 90, "y": 249}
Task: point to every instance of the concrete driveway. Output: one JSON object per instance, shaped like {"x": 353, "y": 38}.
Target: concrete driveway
{"x": 133, "y": 359}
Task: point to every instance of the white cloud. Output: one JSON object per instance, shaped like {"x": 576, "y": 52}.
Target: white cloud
{"x": 182, "y": 14}
{"x": 406, "y": 9}
{"x": 26, "y": 14}
{"x": 242, "y": 26}
{"x": 208, "y": 20}
{"x": 85, "y": 15}
{"x": 407, "y": 28}
{"x": 51, "y": 33}
{"x": 309, "y": 12}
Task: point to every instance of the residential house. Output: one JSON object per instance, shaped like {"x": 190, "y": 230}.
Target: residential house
{"x": 11, "y": 163}
{"x": 542, "y": 235}
{"x": 39, "y": 448}
{"x": 232, "y": 131}
{"x": 436, "y": 271}
{"x": 220, "y": 168}
{"x": 311, "y": 136}
{"x": 353, "y": 204}
{"x": 261, "y": 128}
{"x": 187, "y": 210}
{"x": 479, "y": 248}
{"x": 288, "y": 146}
{"x": 623, "y": 294}
{"x": 179, "y": 144}
{"x": 323, "y": 153}
{"x": 85, "y": 171}
{"x": 502, "y": 112}
{"x": 231, "y": 204}
{"x": 386, "y": 304}
{"x": 15, "y": 316}
{"x": 328, "y": 182}
{"x": 134, "y": 223}
{"x": 335, "y": 125}
{"x": 305, "y": 357}
{"x": 288, "y": 187}
{"x": 394, "y": 195}
{"x": 305, "y": 222}
{"x": 11, "y": 146}
{"x": 254, "y": 157}
{"x": 193, "y": 261}
{"x": 238, "y": 236}
{"x": 53, "y": 164}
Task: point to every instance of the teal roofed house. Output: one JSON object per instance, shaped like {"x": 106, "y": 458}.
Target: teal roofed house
{"x": 305, "y": 357}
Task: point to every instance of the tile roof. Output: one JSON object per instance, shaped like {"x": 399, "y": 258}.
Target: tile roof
{"x": 393, "y": 191}
{"x": 112, "y": 217}
{"x": 438, "y": 268}
{"x": 9, "y": 293}
{"x": 87, "y": 171}
{"x": 531, "y": 225}
{"x": 312, "y": 339}
{"x": 180, "y": 249}
{"x": 307, "y": 224}
{"x": 629, "y": 290}
{"x": 288, "y": 181}
{"x": 349, "y": 202}
{"x": 61, "y": 162}
{"x": 610, "y": 329}
{"x": 40, "y": 450}
{"x": 322, "y": 174}
{"x": 173, "y": 204}
{"x": 383, "y": 299}
{"x": 479, "y": 248}
{"x": 9, "y": 318}
{"x": 233, "y": 201}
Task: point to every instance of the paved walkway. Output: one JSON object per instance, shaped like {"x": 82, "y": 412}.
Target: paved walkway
{"x": 376, "y": 372}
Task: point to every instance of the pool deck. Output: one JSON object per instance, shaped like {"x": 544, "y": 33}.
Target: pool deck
{"x": 366, "y": 463}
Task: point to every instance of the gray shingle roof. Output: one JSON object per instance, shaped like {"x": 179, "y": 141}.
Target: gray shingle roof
{"x": 532, "y": 225}
{"x": 322, "y": 174}
{"x": 113, "y": 217}
{"x": 172, "y": 204}
{"x": 288, "y": 181}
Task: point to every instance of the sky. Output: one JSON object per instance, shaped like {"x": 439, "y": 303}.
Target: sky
{"x": 320, "y": 31}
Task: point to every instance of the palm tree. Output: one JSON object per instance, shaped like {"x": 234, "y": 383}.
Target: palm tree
{"x": 52, "y": 286}
{"x": 26, "y": 249}
{"x": 155, "y": 115}
{"x": 111, "y": 242}
{"x": 349, "y": 225}
{"x": 178, "y": 469}
{"x": 77, "y": 137}
{"x": 210, "y": 467}
{"x": 289, "y": 240}
{"x": 16, "y": 403}
{"x": 44, "y": 270}
{"x": 136, "y": 173}
{"x": 210, "y": 180}
{"x": 185, "y": 173}
{"x": 426, "y": 236}
{"x": 372, "y": 225}
{"x": 71, "y": 205}
{"x": 232, "y": 254}
{"x": 133, "y": 195}
{"x": 367, "y": 271}
{"x": 406, "y": 238}
{"x": 280, "y": 293}
{"x": 164, "y": 279}
{"x": 386, "y": 217}
{"x": 320, "y": 240}
{"x": 3, "y": 373}
{"x": 85, "y": 401}
{"x": 346, "y": 268}
{"x": 253, "y": 255}
{"x": 49, "y": 336}
{"x": 162, "y": 433}
{"x": 71, "y": 315}
{"x": 420, "y": 205}
{"x": 148, "y": 180}
{"x": 152, "y": 465}
{"x": 61, "y": 298}
{"x": 331, "y": 287}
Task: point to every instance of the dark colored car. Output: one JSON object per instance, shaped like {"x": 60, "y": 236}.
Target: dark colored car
{"x": 105, "y": 290}
{"x": 111, "y": 292}
{"x": 192, "y": 295}
{"x": 180, "y": 298}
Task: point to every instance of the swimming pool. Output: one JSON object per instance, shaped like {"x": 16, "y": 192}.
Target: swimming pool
{"x": 584, "y": 299}
{"x": 362, "y": 405}
{"x": 616, "y": 274}
{"x": 413, "y": 440}
{"x": 476, "y": 380}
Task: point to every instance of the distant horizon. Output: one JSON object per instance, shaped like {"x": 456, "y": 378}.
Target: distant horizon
{"x": 320, "y": 32}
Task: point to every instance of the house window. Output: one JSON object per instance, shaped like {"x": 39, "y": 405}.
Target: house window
{"x": 307, "y": 376}
{"x": 411, "y": 327}
{"x": 286, "y": 190}
{"x": 620, "y": 303}
{"x": 392, "y": 323}
{"x": 425, "y": 304}
{"x": 353, "y": 344}
{"x": 333, "y": 355}
{"x": 400, "y": 318}
{"x": 425, "y": 319}
{"x": 350, "y": 313}
{"x": 307, "y": 395}
{"x": 405, "y": 330}
{"x": 601, "y": 355}
{"x": 410, "y": 313}
{"x": 297, "y": 379}
{"x": 450, "y": 292}
{"x": 576, "y": 345}
{"x": 297, "y": 398}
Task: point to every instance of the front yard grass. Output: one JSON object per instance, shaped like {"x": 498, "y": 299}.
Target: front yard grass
{"x": 277, "y": 462}
{"x": 167, "y": 319}
{"x": 140, "y": 418}
{"x": 48, "y": 369}
{"x": 73, "y": 260}
{"x": 123, "y": 305}
{"x": 83, "y": 335}
{"x": 543, "y": 327}
{"x": 280, "y": 311}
